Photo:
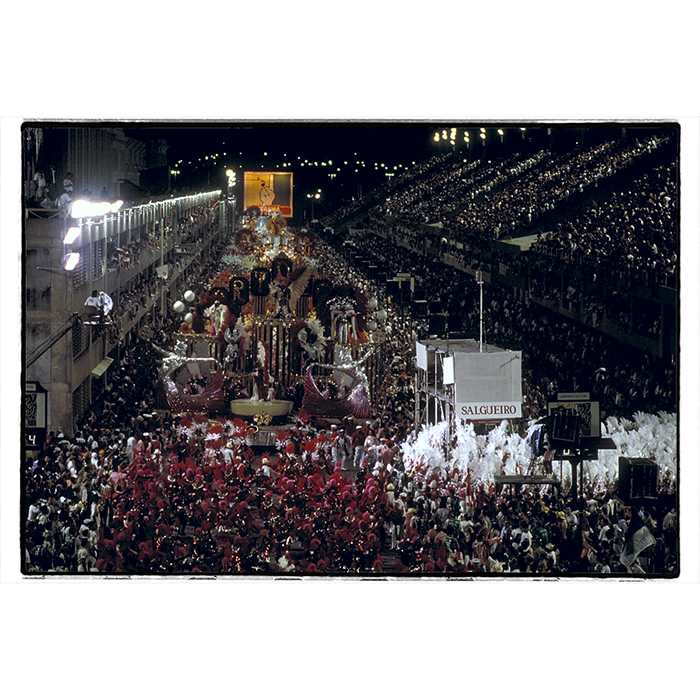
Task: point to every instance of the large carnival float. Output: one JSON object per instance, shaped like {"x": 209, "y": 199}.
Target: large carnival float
{"x": 273, "y": 332}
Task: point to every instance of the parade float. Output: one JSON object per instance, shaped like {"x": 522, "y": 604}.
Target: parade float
{"x": 273, "y": 332}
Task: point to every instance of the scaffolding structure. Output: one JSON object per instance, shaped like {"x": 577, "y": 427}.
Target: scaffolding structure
{"x": 434, "y": 398}
{"x": 466, "y": 379}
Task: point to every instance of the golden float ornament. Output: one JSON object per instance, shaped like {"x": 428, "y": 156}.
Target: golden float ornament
{"x": 263, "y": 418}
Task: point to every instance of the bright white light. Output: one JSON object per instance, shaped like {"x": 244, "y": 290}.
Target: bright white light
{"x": 230, "y": 173}
{"x": 500, "y": 132}
{"x": 317, "y": 195}
{"x": 72, "y": 235}
{"x": 70, "y": 261}
{"x": 483, "y": 136}
{"x": 83, "y": 208}
{"x": 116, "y": 206}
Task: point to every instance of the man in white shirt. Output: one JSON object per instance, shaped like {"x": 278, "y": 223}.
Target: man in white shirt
{"x": 33, "y": 512}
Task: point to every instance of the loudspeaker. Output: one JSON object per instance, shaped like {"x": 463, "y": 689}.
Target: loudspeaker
{"x": 566, "y": 428}
{"x": 638, "y": 478}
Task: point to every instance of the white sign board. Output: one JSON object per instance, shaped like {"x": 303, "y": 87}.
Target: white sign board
{"x": 488, "y": 385}
{"x": 448, "y": 371}
{"x": 421, "y": 356}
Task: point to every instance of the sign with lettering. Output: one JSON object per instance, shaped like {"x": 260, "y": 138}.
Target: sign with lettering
{"x": 573, "y": 396}
{"x": 488, "y": 385}
{"x": 35, "y": 415}
{"x": 485, "y": 410}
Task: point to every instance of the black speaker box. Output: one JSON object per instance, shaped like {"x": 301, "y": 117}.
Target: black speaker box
{"x": 566, "y": 429}
{"x": 638, "y": 478}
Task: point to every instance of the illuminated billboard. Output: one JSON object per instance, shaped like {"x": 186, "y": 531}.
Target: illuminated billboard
{"x": 270, "y": 191}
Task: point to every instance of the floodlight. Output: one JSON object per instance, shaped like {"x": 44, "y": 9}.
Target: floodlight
{"x": 70, "y": 261}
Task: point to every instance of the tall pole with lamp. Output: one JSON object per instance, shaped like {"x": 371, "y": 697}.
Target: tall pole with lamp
{"x": 480, "y": 282}
{"x": 313, "y": 197}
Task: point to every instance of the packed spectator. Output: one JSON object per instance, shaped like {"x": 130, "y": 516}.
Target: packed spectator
{"x": 635, "y": 228}
{"x": 561, "y": 354}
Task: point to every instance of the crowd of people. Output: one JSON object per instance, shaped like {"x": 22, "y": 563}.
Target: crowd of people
{"x": 39, "y": 194}
{"x": 562, "y": 355}
{"x": 501, "y": 198}
{"x": 66, "y": 485}
{"x": 138, "y": 490}
{"x": 635, "y": 228}
{"x": 356, "y": 205}
{"x": 181, "y": 507}
{"x": 568, "y": 282}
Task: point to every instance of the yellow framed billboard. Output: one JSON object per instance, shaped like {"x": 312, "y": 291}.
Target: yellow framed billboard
{"x": 270, "y": 191}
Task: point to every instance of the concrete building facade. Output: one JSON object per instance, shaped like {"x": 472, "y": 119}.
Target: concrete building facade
{"x": 139, "y": 255}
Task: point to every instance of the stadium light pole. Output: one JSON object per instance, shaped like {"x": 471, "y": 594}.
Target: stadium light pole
{"x": 480, "y": 282}
{"x": 313, "y": 197}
